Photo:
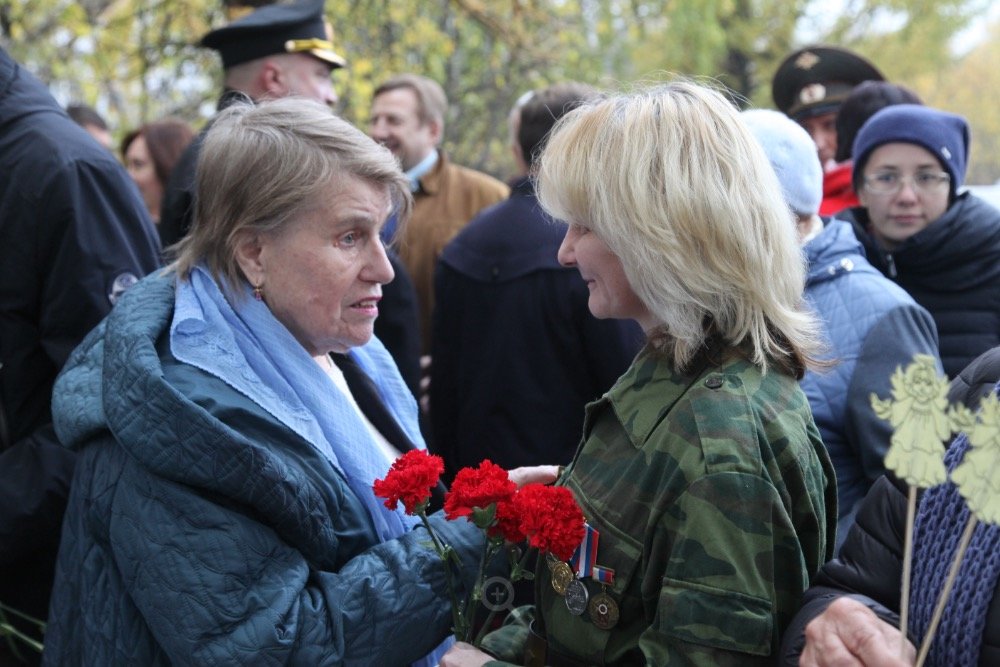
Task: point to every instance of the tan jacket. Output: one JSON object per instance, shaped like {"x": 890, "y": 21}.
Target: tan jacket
{"x": 449, "y": 196}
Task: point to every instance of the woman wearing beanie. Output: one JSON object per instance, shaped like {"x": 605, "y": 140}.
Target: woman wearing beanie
{"x": 940, "y": 246}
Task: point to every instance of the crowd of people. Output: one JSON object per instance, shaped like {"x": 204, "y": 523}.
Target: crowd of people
{"x": 212, "y": 344}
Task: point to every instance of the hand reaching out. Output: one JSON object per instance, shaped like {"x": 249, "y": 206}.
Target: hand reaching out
{"x": 464, "y": 655}
{"x": 534, "y": 474}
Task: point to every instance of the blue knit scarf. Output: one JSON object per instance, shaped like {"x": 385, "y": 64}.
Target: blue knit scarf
{"x": 940, "y": 521}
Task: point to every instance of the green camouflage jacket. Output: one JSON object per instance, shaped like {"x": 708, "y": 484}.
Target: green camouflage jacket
{"x": 711, "y": 493}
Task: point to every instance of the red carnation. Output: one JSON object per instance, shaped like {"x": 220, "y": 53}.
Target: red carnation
{"x": 477, "y": 488}
{"x": 410, "y": 479}
{"x": 551, "y": 519}
{"x": 508, "y": 525}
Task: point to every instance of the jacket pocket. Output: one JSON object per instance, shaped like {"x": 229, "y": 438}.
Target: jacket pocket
{"x": 714, "y": 617}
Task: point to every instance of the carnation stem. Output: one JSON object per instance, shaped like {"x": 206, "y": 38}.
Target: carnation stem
{"x": 493, "y": 612}
{"x": 10, "y": 633}
{"x": 457, "y": 618}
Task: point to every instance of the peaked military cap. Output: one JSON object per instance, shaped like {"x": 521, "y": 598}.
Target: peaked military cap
{"x": 284, "y": 27}
{"x": 816, "y": 79}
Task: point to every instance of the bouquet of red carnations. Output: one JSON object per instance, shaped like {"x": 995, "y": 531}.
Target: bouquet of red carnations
{"x": 547, "y": 517}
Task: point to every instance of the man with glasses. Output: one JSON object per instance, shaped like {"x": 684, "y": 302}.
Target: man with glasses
{"x": 941, "y": 246}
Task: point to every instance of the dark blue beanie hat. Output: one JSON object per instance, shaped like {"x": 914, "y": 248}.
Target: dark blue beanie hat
{"x": 945, "y": 135}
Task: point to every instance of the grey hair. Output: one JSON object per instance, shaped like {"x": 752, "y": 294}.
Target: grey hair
{"x": 262, "y": 166}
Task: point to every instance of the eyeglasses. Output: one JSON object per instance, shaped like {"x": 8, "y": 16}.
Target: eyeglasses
{"x": 891, "y": 182}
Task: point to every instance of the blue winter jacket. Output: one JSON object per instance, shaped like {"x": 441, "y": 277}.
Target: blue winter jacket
{"x": 202, "y": 531}
{"x": 871, "y": 326}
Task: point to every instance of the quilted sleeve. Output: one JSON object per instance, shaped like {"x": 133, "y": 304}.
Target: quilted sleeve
{"x": 217, "y": 586}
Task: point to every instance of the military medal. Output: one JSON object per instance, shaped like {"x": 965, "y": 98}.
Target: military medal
{"x": 603, "y": 609}
{"x": 550, "y": 560}
{"x": 562, "y": 577}
{"x": 576, "y": 597}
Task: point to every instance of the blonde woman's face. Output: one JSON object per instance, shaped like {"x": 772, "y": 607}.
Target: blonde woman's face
{"x": 611, "y": 294}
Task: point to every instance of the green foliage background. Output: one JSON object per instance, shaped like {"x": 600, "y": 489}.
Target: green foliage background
{"x": 136, "y": 60}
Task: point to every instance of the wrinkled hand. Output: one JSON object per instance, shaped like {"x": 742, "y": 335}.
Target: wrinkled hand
{"x": 533, "y": 475}
{"x": 849, "y": 634}
{"x": 464, "y": 655}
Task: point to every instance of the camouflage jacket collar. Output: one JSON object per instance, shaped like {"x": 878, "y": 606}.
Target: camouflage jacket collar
{"x": 631, "y": 402}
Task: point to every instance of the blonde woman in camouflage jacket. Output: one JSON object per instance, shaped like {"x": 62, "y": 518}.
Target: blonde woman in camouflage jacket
{"x": 704, "y": 480}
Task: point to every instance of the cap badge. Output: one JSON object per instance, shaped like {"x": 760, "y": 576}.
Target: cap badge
{"x": 807, "y": 60}
{"x": 812, "y": 93}
{"x": 311, "y": 44}
{"x": 946, "y": 153}
{"x": 236, "y": 12}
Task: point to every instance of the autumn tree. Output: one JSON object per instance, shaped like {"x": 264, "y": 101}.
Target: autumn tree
{"x": 136, "y": 60}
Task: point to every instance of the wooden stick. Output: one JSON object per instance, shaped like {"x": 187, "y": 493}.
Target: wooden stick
{"x": 956, "y": 564}
{"x": 904, "y": 594}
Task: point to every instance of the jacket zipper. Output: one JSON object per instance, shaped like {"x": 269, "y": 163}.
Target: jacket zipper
{"x": 891, "y": 264}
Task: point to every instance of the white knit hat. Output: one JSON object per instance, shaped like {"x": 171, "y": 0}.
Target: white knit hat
{"x": 793, "y": 156}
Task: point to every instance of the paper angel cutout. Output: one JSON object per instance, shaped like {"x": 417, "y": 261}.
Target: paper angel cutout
{"x": 976, "y": 476}
{"x": 918, "y": 412}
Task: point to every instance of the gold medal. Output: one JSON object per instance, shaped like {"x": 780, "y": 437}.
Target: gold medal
{"x": 603, "y": 611}
{"x": 550, "y": 560}
{"x": 561, "y": 576}
{"x": 576, "y": 597}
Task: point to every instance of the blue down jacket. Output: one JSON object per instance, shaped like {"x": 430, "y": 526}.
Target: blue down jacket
{"x": 871, "y": 326}
{"x": 202, "y": 531}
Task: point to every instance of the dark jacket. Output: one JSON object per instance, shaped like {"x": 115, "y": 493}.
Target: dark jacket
{"x": 951, "y": 268}
{"x": 871, "y": 326}
{"x": 74, "y": 233}
{"x": 203, "y": 530}
{"x": 516, "y": 352}
{"x": 869, "y": 567}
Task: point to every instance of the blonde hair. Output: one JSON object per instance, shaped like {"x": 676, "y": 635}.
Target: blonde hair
{"x": 260, "y": 167}
{"x": 675, "y": 184}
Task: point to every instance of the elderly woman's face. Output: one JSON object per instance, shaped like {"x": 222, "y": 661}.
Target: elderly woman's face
{"x": 611, "y": 294}
{"x": 322, "y": 276}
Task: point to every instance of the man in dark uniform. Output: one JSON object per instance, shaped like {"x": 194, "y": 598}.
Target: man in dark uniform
{"x": 74, "y": 235}
{"x": 274, "y": 51}
{"x": 808, "y": 87}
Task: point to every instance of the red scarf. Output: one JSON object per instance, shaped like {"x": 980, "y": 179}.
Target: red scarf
{"x": 838, "y": 192}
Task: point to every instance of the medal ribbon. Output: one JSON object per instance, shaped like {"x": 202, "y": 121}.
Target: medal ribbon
{"x": 585, "y": 555}
{"x": 605, "y": 575}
